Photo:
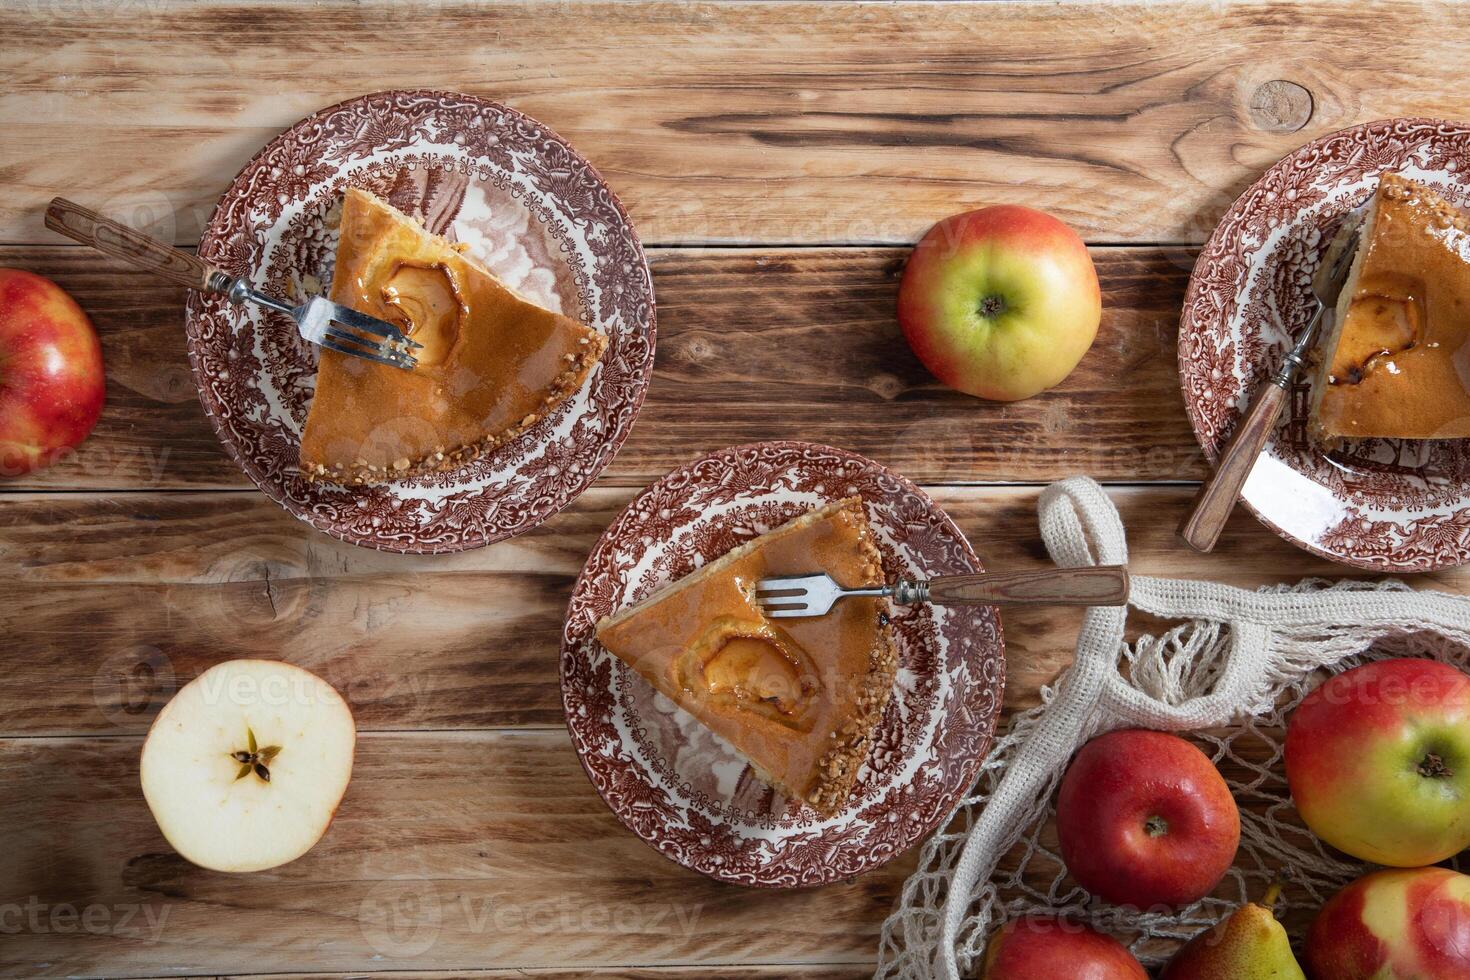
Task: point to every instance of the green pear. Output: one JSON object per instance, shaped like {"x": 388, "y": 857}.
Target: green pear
{"x": 1250, "y": 945}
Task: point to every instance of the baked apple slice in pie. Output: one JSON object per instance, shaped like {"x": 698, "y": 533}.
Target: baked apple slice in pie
{"x": 492, "y": 362}
{"x": 1397, "y": 361}
{"x": 798, "y": 700}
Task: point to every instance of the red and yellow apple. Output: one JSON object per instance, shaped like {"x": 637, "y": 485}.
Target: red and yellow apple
{"x": 1378, "y": 761}
{"x": 51, "y": 383}
{"x": 1145, "y": 819}
{"x": 1409, "y": 924}
{"x": 1043, "y": 946}
{"x": 1001, "y": 302}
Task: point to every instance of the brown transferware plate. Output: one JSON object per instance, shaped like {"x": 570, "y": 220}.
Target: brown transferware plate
{"x": 525, "y": 204}
{"x": 1388, "y": 505}
{"x": 683, "y": 791}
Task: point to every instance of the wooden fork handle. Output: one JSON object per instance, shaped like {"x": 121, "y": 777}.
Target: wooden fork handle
{"x": 144, "y": 251}
{"x": 1093, "y": 585}
{"x": 1216, "y": 499}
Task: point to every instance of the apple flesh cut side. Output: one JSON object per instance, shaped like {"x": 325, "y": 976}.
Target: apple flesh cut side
{"x": 243, "y": 769}
{"x": 1001, "y": 302}
{"x": 1145, "y": 819}
{"x": 1378, "y": 762}
{"x": 1402, "y": 924}
{"x": 1036, "y": 947}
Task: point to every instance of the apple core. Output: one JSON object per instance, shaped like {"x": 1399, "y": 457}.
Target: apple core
{"x": 1434, "y": 767}
{"x": 254, "y": 759}
{"x": 993, "y": 306}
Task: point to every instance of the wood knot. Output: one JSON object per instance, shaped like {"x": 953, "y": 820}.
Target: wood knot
{"x": 696, "y": 348}
{"x": 1280, "y": 106}
{"x": 886, "y": 386}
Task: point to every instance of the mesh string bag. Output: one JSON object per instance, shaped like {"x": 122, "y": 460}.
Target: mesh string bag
{"x": 1227, "y": 676}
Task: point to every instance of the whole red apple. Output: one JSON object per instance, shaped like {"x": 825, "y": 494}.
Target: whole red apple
{"x": 1378, "y": 761}
{"x": 1145, "y": 819}
{"x": 1001, "y": 302}
{"x": 1394, "y": 925}
{"x": 51, "y": 383}
{"x": 1042, "y": 946}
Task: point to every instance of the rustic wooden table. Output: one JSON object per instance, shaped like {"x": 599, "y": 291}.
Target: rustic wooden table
{"x": 776, "y": 159}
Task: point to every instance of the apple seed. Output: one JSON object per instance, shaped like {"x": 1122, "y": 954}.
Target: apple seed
{"x": 254, "y": 759}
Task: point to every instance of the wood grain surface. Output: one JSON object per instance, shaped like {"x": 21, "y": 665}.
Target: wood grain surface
{"x": 774, "y": 122}
{"x": 171, "y": 584}
{"x": 466, "y": 835}
{"x": 450, "y": 848}
{"x": 776, "y": 159}
{"x": 753, "y": 344}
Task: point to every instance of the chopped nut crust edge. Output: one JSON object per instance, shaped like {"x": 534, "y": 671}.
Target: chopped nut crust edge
{"x": 445, "y": 460}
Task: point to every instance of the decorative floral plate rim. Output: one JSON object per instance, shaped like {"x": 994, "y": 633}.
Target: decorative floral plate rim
{"x": 482, "y": 150}
{"x": 934, "y": 733}
{"x": 1362, "y": 505}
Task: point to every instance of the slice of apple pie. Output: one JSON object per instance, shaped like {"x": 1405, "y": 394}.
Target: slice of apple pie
{"x": 1396, "y": 363}
{"x": 798, "y": 700}
{"x": 492, "y": 363}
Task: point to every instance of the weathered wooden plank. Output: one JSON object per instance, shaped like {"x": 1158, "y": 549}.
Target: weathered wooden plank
{"x": 771, "y": 123}
{"x": 464, "y": 813}
{"x": 112, "y": 601}
{"x": 449, "y": 848}
{"x": 752, "y": 345}
{"x": 708, "y": 971}
{"x": 148, "y": 590}
{"x": 774, "y": 122}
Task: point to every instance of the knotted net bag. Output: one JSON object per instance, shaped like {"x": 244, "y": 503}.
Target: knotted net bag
{"x": 1229, "y": 675}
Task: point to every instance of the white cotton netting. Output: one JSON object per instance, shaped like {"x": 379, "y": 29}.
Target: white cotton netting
{"x": 1229, "y": 675}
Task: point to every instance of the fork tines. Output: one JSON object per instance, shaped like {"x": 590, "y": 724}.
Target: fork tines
{"x": 767, "y": 592}
{"x": 1338, "y": 259}
{"x": 354, "y": 344}
{"x": 385, "y": 343}
{"x": 796, "y": 595}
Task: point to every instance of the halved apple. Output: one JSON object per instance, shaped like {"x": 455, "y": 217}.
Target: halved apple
{"x": 244, "y": 768}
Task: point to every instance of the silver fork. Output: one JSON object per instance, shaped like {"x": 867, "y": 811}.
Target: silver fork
{"x": 786, "y": 596}
{"x": 1212, "y": 506}
{"x": 318, "y": 320}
